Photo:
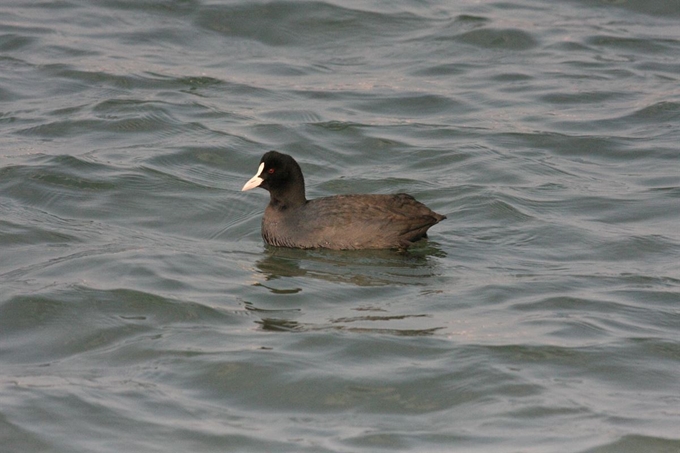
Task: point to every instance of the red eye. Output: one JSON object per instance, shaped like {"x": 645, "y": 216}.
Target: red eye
{"x": 270, "y": 171}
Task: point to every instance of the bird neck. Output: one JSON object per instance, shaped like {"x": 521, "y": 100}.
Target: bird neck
{"x": 291, "y": 197}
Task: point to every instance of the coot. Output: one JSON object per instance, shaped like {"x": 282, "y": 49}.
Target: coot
{"x": 340, "y": 222}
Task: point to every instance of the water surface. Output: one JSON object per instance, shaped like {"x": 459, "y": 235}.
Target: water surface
{"x": 141, "y": 312}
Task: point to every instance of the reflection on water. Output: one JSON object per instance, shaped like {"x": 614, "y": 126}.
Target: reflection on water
{"x": 388, "y": 272}
{"x": 356, "y": 267}
{"x": 343, "y": 324}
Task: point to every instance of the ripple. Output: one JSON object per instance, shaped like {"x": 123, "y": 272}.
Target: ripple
{"x": 646, "y": 46}
{"x": 414, "y": 105}
{"x": 634, "y": 442}
{"x": 277, "y": 23}
{"x": 12, "y": 42}
{"x": 489, "y": 38}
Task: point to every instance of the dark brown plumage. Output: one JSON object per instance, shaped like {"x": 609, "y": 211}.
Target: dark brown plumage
{"x": 341, "y": 222}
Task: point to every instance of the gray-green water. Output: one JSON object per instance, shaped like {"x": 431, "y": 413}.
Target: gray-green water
{"x": 140, "y": 312}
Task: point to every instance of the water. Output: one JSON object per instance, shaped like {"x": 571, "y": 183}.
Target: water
{"x": 141, "y": 312}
